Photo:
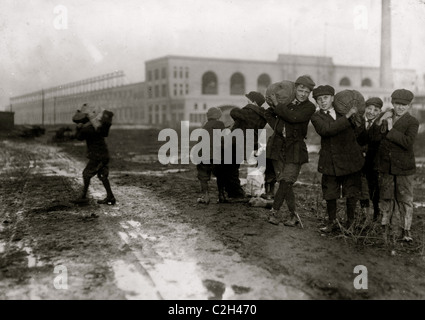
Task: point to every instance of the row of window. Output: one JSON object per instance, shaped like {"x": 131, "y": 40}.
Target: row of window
{"x": 346, "y": 82}
{"x": 178, "y": 72}
{"x": 162, "y": 119}
{"x": 179, "y": 89}
{"x": 197, "y": 117}
{"x": 155, "y": 93}
{"x": 155, "y": 74}
{"x": 237, "y": 83}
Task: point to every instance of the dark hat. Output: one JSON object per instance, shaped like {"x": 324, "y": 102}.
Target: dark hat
{"x": 325, "y": 90}
{"x": 402, "y": 96}
{"x": 374, "y": 101}
{"x": 213, "y": 113}
{"x": 306, "y": 80}
{"x": 255, "y": 96}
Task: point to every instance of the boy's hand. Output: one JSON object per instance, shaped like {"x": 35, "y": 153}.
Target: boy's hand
{"x": 352, "y": 111}
{"x": 390, "y": 123}
{"x": 273, "y": 100}
{"x": 387, "y": 115}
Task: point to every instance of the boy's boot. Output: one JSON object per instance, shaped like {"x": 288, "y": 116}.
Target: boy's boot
{"x": 205, "y": 197}
{"x": 266, "y": 193}
{"x": 274, "y": 217}
{"x": 281, "y": 193}
{"x": 376, "y": 211}
{"x": 407, "y": 236}
{"x": 222, "y": 195}
{"x": 110, "y": 199}
{"x": 269, "y": 195}
{"x": 331, "y": 210}
{"x": 271, "y": 191}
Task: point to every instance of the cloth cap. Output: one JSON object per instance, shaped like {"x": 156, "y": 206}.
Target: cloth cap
{"x": 306, "y": 80}
{"x": 374, "y": 101}
{"x": 325, "y": 90}
{"x": 213, "y": 113}
{"x": 402, "y": 96}
{"x": 257, "y": 97}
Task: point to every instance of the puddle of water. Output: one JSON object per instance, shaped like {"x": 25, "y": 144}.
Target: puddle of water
{"x": 2, "y": 246}
{"x": 32, "y": 259}
{"x": 418, "y": 204}
{"x": 151, "y": 172}
{"x": 148, "y": 158}
{"x": 134, "y": 224}
{"x": 128, "y": 279}
{"x": 178, "y": 280}
{"x": 123, "y": 236}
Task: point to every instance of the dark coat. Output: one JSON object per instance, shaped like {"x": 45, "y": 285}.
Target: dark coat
{"x": 296, "y": 124}
{"x": 395, "y": 154}
{"x": 276, "y": 142}
{"x": 340, "y": 154}
{"x": 249, "y": 117}
{"x": 210, "y": 125}
{"x": 95, "y": 140}
{"x": 370, "y": 145}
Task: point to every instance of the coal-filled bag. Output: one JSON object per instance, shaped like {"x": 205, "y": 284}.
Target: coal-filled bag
{"x": 284, "y": 91}
{"x": 346, "y": 99}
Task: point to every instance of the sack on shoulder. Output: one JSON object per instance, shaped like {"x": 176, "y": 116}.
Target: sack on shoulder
{"x": 284, "y": 92}
{"x": 105, "y": 121}
{"x": 346, "y": 99}
{"x": 80, "y": 117}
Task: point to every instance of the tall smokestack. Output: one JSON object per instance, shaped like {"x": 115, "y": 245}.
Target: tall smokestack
{"x": 386, "y": 76}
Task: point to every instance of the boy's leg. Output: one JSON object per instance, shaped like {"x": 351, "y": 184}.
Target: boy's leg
{"x": 351, "y": 189}
{"x": 386, "y": 202}
{"x": 286, "y": 180}
{"x": 374, "y": 193}
{"x": 204, "y": 175}
{"x": 331, "y": 211}
{"x": 269, "y": 180}
{"x": 88, "y": 172}
{"x": 331, "y": 192}
{"x": 351, "y": 210}
{"x": 404, "y": 197}
{"x": 218, "y": 173}
{"x": 103, "y": 174}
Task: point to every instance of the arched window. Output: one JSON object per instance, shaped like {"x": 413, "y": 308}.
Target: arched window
{"x": 263, "y": 82}
{"x": 366, "y": 82}
{"x": 209, "y": 83}
{"x": 237, "y": 84}
{"x": 345, "y": 82}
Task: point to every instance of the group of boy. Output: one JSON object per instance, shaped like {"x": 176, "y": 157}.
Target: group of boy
{"x": 367, "y": 158}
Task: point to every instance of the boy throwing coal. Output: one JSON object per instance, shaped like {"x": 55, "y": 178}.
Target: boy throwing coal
{"x": 97, "y": 150}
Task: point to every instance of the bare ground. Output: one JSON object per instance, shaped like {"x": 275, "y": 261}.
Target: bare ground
{"x": 158, "y": 243}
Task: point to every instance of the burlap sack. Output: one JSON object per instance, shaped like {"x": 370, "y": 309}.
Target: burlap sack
{"x": 94, "y": 114}
{"x": 346, "y": 99}
{"x": 284, "y": 91}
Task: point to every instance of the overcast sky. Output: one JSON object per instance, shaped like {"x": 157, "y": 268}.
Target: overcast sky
{"x": 46, "y": 43}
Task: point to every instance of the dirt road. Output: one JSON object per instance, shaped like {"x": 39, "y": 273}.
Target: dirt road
{"x": 158, "y": 243}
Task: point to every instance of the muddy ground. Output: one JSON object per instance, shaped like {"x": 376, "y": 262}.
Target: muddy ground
{"x": 157, "y": 242}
